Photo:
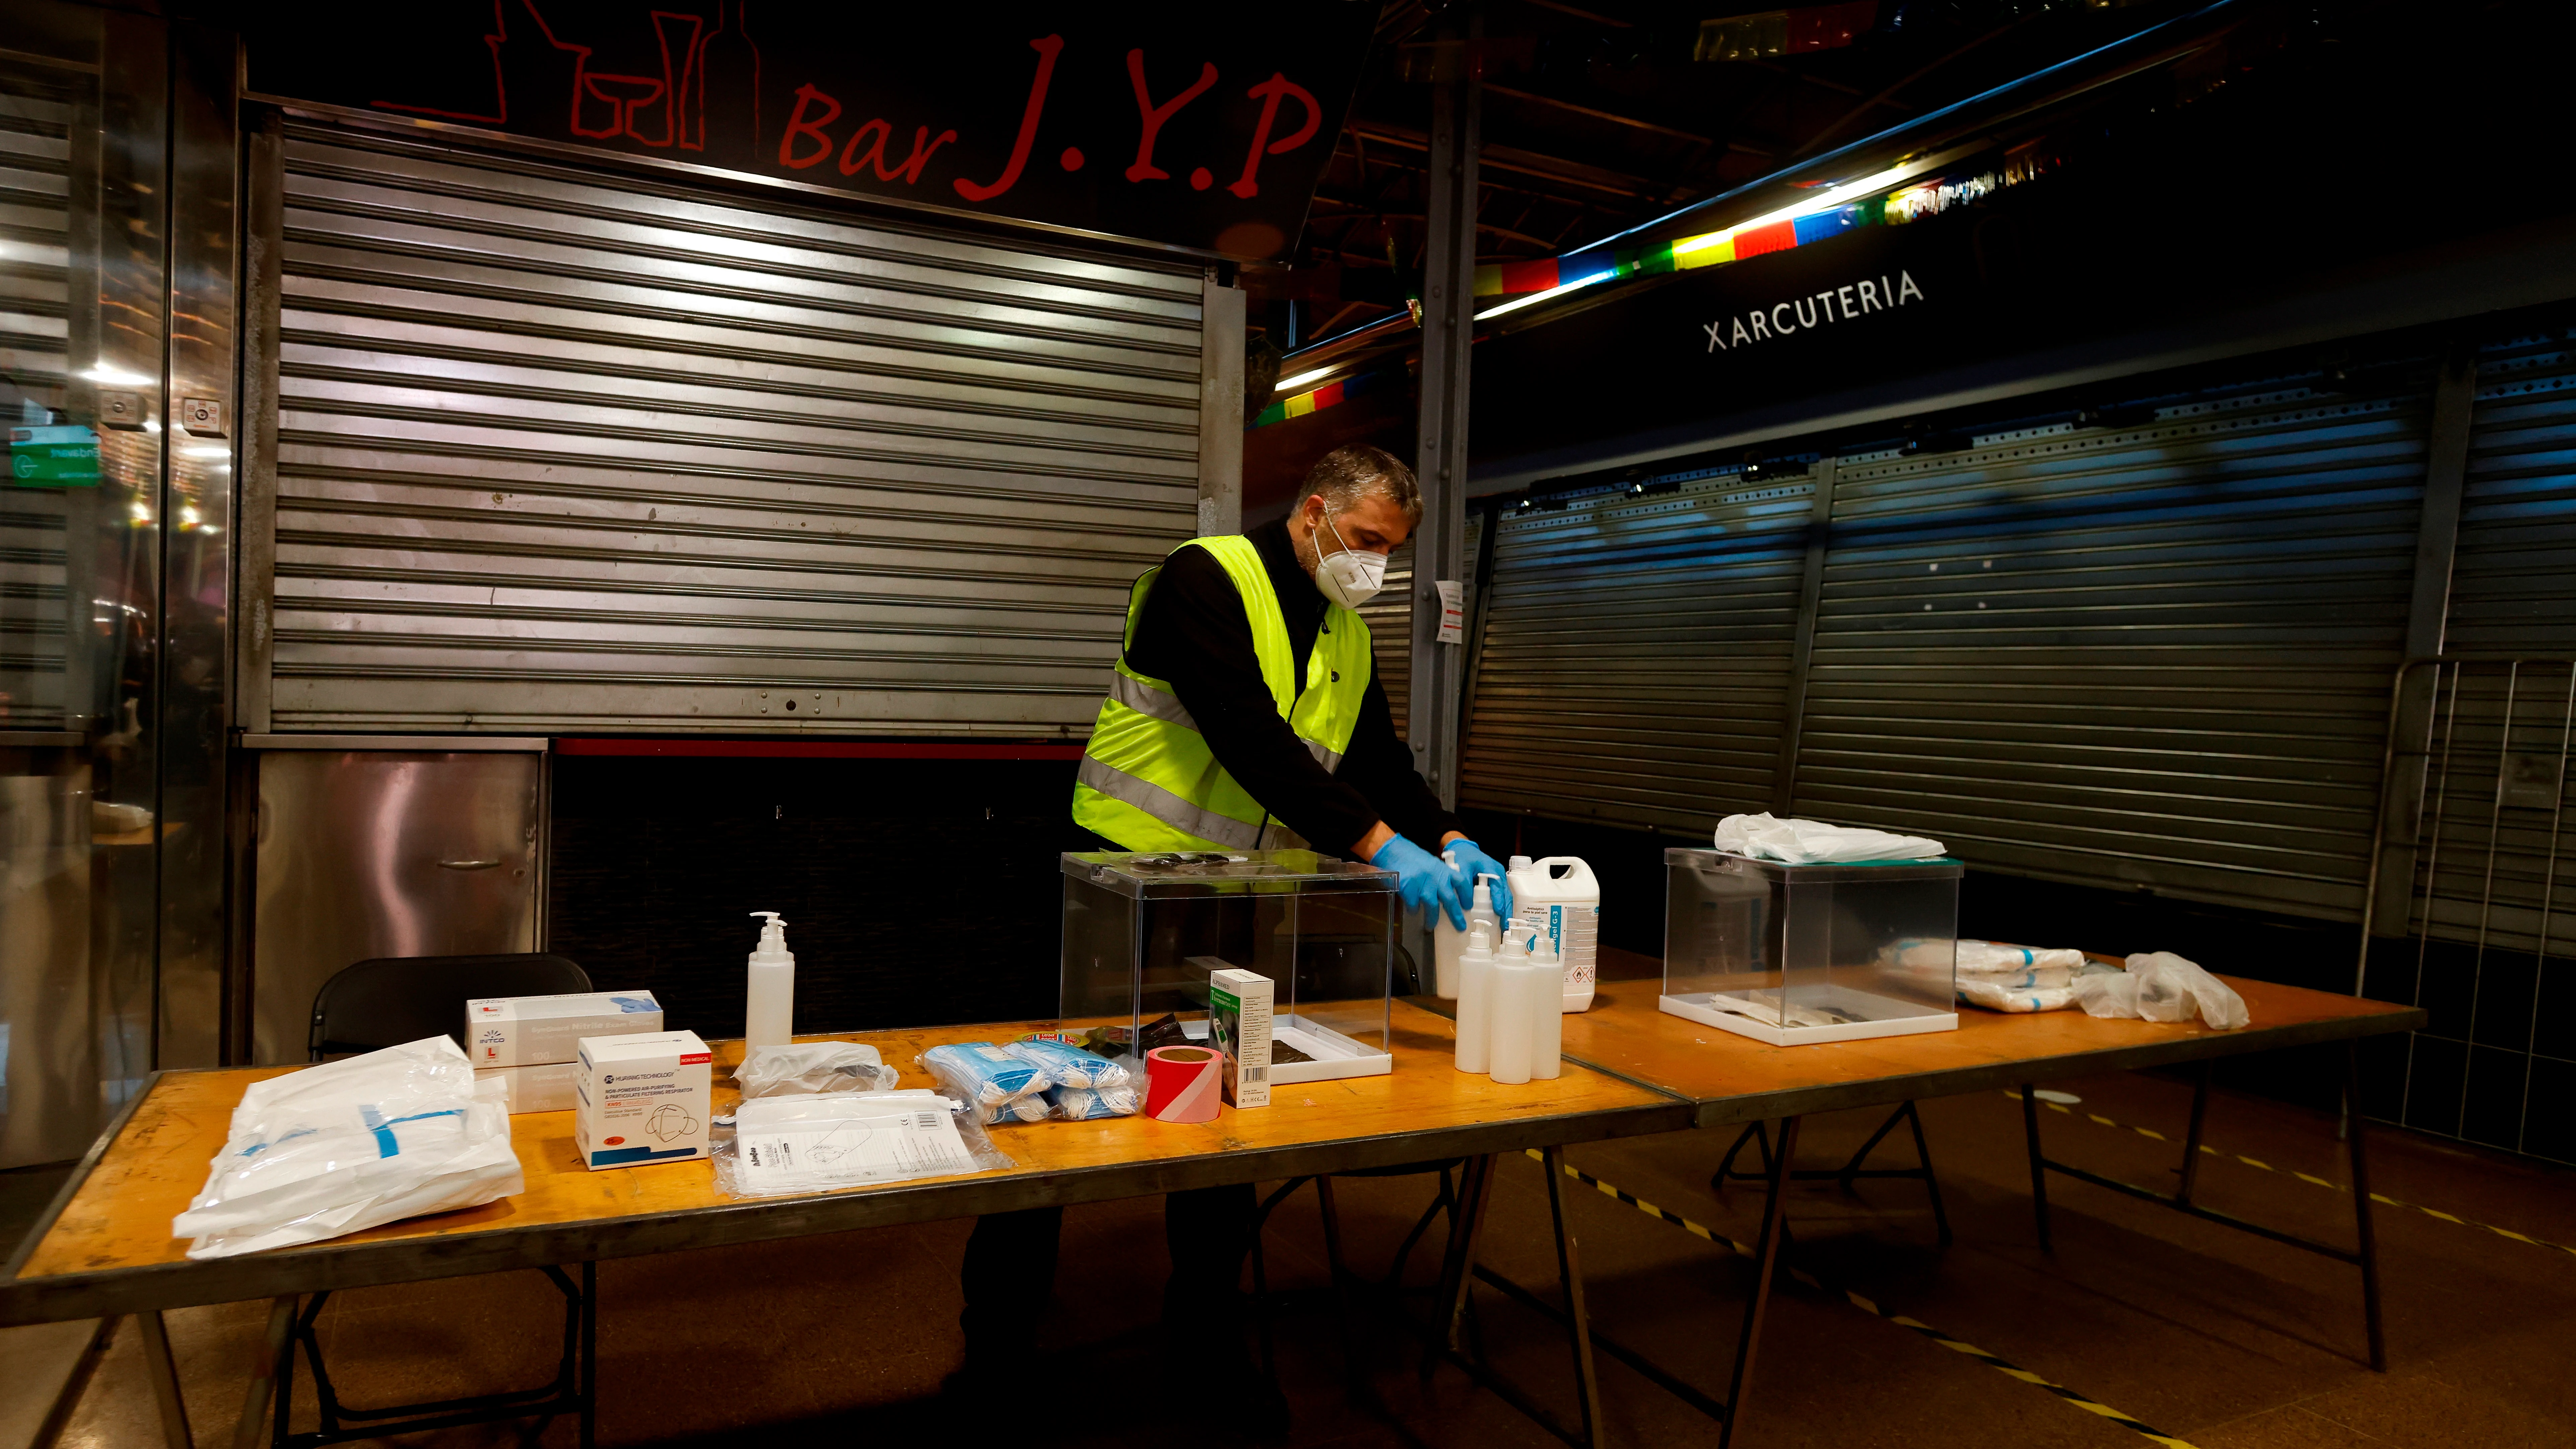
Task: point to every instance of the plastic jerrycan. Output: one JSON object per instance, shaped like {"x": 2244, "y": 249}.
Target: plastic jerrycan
{"x": 1558, "y": 897}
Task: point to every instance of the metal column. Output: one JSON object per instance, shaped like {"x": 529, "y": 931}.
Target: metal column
{"x": 2437, "y": 539}
{"x": 1440, "y": 438}
{"x": 1220, "y": 407}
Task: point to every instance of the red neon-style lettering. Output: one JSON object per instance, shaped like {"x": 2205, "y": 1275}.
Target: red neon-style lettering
{"x": 1268, "y": 93}
{"x": 1154, "y": 116}
{"x": 797, "y": 126}
{"x": 923, "y": 148}
{"x": 1010, "y": 177}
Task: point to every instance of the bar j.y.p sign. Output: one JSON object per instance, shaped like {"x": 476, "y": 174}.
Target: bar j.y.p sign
{"x": 1202, "y": 126}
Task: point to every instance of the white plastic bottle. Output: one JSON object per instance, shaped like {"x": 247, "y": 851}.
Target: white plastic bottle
{"x": 1515, "y": 1007}
{"x": 1547, "y": 1013}
{"x": 769, "y": 1014}
{"x": 1476, "y": 998}
{"x": 1448, "y": 941}
{"x": 1566, "y": 908}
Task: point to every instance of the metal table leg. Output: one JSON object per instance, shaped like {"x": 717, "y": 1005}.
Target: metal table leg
{"x": 1457, "y": 1266}
{"x": 1569, "y": 1272}
{"x": 75, "y": 1384}
{"x": 2038, "y": 1164}
{"x": 1766, "y": 1257}
{"x": 164, "y": 1372}
{"x": 256, "y": 1420}
{"x": 2361, "y": 1210}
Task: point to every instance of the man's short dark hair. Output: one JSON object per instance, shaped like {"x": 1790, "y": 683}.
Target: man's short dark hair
{"x": 1346, "y": 475}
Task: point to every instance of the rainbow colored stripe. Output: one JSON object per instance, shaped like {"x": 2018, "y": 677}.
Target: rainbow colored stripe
{"x": 1340, "y": 389}
{"x": 1684, "y": 254}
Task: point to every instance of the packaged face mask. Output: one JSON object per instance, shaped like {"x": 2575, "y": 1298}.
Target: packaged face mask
{"x": 1066, "y": 1066}
{"x": 983, "y": 1073}
{"x": 1083, "y": 1104}
{"x": 814, "y": 1066}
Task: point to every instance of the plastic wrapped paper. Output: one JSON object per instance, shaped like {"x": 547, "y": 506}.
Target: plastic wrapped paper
{"x": 809, "y": 1067}
{"x": 354, "y": 1144}
{"x": 836, "y": 1140}
{"x": 2161, "y": 986}
{"x": 1813, "y": 842}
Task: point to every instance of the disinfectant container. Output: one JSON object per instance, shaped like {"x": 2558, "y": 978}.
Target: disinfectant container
{"x": 1559, "y": 898}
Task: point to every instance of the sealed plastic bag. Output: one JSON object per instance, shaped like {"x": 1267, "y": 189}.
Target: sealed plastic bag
{"x": 821, "y": 1142}
{"x": 1813, "y": 842}
{"x": 1995, "y": 995}
{"x": 1083, "y": 1104}
{"x": 2161, "y": 986}
{"x": 1067, "y": 1066}
{"x": 814, "y": 1066}
{"x": 353, "y": 1144}
{"x": 996, "y": 1085}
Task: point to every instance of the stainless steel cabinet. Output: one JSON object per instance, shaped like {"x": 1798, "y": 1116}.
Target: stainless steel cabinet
{"x": 387, "y": 851}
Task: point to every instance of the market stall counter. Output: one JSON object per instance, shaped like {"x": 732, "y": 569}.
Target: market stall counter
{"x": 105, "y": 1247}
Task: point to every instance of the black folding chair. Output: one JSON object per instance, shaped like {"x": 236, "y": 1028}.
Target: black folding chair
{"x": 387, "y": 1002}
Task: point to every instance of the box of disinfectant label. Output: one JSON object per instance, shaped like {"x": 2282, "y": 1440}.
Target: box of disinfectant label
{"x": 529, "y": 1031}
{"x": 642, "y": 1099}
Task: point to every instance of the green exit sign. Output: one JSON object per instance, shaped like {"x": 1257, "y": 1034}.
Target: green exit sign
{"x": 53, "y": 457}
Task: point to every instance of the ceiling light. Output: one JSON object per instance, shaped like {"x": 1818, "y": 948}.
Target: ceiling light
{"x": 1291, "y": 384}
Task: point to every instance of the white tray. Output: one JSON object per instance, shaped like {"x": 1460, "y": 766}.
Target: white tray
{"x": 1881, "y": 1016}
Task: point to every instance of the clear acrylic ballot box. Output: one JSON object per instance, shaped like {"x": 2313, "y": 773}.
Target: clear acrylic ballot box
{"x": 1143, "y": 932}
{"x": 1793, "y": 954}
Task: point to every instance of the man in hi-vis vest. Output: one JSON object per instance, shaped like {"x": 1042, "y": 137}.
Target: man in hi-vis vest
{"x": 1244, "y": 715}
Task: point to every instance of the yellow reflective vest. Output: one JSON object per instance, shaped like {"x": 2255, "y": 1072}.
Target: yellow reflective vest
{"x": 1148, "y": 779}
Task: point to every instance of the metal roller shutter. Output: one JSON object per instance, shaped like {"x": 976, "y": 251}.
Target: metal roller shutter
{"x": 35, "y": 314}
{"x": 1636, "y": 652}
{"x": 2513, "y": 579}
{"x": 2157, "y": 655}
{"x": 562, "y": 452}
{"x": 1390, "y": 622}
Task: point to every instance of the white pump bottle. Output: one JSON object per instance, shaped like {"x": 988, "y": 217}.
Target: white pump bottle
{"x": 1514, "y": 1009}
{"x": 1547, "y": 1011}
{"x": 769, "y": 1017}
{"x": 1476, "y": 998}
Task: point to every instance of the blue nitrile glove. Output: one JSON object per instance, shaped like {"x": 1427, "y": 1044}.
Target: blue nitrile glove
{"x": 1428, "y": 883}
{"x": 1473, "y": 862}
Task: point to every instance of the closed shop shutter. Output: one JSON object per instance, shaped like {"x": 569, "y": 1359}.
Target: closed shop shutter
{"x": 35, "y": 314}
{"x": 1636, "y": 653}
{"x": 2513, "y": 580}
{"x": 1390, "y": 621}
{"x": 2151, "y": 656}
{"x": 559, "y": 451}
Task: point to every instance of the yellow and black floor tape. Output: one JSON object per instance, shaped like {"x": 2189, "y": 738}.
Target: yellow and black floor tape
{"x": 1996, "y": 1362}
{"x": 2255, "y": 1162}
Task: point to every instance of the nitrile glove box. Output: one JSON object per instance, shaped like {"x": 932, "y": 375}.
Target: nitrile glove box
{"x": 545, "y": 1087}
{"x": 528, "y": 1031}
{"x": 642, "y": 1099}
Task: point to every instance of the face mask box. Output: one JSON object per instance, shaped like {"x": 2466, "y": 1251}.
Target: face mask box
{"x": 527, "y": 1031}
{"x": 642, "y": 1099}
{"x": 546, "y": 1087}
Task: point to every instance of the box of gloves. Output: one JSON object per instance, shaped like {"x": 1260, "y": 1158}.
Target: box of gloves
{"x": 1793, "y": 953}
{"x": 643, "y": 1098}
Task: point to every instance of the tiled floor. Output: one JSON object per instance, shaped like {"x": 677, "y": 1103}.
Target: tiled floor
{"x": 2220, "y": 1339}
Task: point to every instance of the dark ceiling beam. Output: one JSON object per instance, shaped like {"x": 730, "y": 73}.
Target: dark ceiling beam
{"x": 1525, "y": 163}
{"x": 1613, "y": 117}
{"x": 1888, "y": 96}
{"x": 1612, "y": 21}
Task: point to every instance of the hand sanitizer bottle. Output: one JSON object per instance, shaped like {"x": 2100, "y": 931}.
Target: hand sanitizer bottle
{"x": 1476, "y": 998}
{"x": 1515, "y": 1007}
{"x": 1547, "y": 1019}
{"x": 769, "y": 1017}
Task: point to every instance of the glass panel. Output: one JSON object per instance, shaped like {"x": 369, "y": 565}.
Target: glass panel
{"x": 83, "y": 293}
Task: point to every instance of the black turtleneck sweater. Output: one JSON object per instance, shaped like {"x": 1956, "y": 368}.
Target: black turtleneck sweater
{"x": 1193, "y": 632}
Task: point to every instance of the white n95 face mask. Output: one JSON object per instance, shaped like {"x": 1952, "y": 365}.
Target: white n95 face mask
{"x": 1349, "y": 578}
